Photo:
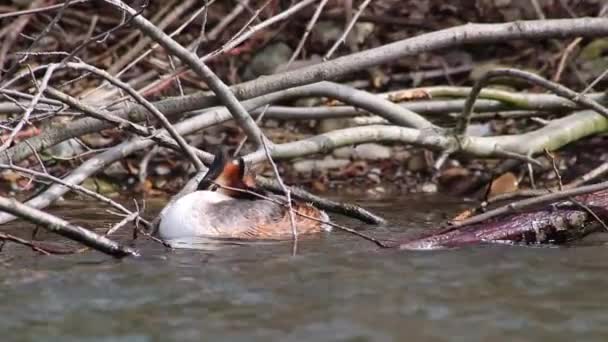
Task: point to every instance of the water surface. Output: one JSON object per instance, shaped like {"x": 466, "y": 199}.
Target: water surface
{"x": 337, "y": 288}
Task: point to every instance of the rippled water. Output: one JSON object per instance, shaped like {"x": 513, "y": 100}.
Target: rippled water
{"x": 337, "y": 288}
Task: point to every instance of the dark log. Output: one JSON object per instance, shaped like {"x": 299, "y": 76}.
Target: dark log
{"x": 555, "y": 224}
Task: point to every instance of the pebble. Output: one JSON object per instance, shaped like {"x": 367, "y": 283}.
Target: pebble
{"x": 66, "y": 149}
{"x": 429, "y": 188}
{"x": 372, "y": 151}
{"x": 368, "y": 151}
{"x": 267, "y": 60}
{"x": 310, "y": 165}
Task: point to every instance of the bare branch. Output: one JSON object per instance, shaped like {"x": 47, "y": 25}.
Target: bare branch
{"x": 527, "y": 203}
{"x": 530, "y": 77}
{"x": 65, "y": 229}
{"x": 159, "y": 116}
{"x": 220, "y": 88}
{"x": 465, "y": 34}
{"x": 30, "y": 108}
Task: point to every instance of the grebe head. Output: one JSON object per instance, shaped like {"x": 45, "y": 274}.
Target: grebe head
{"x": 225, "y": 173}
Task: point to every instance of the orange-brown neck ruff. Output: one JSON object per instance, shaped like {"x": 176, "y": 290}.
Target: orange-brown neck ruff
{"x": 233, "y": 176}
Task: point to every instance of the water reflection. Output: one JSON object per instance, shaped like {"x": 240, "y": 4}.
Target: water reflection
{"x": 213, "y": 244}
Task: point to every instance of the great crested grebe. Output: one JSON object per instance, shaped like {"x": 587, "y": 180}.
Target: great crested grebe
{"x": 218, "y": 212}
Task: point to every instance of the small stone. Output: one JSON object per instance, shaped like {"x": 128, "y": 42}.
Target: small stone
{"x": 360, "y": 33}
{"x": 376, "y": 191}
{"x": 595, "y": 49}
{"x": 100, "y": 186}
{"x": 429, "y": 188}
{"x": 326, "y": 33}
{"x": 375, "y": 178}
{"x": 401, "y": 155}
{"x": 329, "y": 125}
{"x": 372, "y": 151}
{"x": 345, "y": 152}
{"x": 271, "y": 123}
{"x": 116, "y": 169}
{"x": 266, "y": 61}
{"x": 479, "y": 130}
{"x": 308, "y": 166}
{"x": 66, "y": 149}
{"x": 417, "y": 163}
{"x": 162, "y": 170}
{"x": 96, "y": 140}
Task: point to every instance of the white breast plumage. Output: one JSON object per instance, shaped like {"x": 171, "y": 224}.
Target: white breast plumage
{"x": 186, "y": 216}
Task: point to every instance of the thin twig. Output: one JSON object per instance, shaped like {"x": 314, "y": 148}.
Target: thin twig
{"x": 24, "y": 119}
{"x": 16, "y": 239}
{"x": 159, "y": 137}
{"x": 309, "y": 27}
{"x": 226, "y": 20}
{"x": 44, "y": 32}
{"x": 564, "y": 58}
{"x": 252, "y": 30}
{"x": 221, "y": 90}
{"x": 351, "y": 24}
{"x": 286, "y": 192}
{"x": 141, "y": 100}
{"x": 73, "y": 187}
{"x": 38, "y": 10}
{"x": 129, "y": 218}
{"x": 555, "y": 169}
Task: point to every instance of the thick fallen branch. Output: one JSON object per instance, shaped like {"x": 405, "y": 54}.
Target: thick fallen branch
{"x": 542, "y": 104}
{"x": 557, "y": 222}
{"x": 530, "y": 202}
{"x": 65, "y": 229}
{"x": 552, "y": 136}
{"x": 558, "y": 89}
{"x": 490, "y": 101}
